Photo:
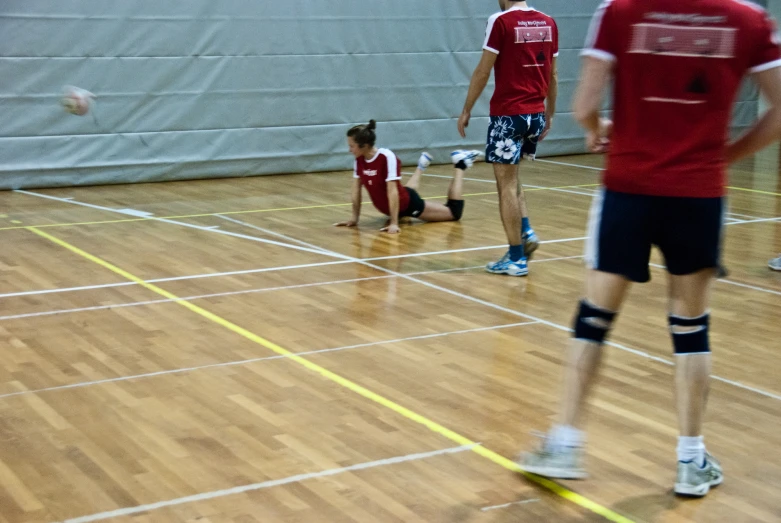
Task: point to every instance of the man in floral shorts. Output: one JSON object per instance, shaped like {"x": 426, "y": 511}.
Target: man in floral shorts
{"x": 521, "y": 45}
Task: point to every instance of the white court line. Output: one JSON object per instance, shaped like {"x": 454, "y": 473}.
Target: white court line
{"x": 272, "y": 233}
{"x": 742, "y": 215}
{"x": 731, "y": 282}
{"x": 570, "y": 165}
{"x": 132, "y": 212}
{"x": 267, "y": 484}
{"x": 271, "y": 269}
{"x": 246, "y": 291}
{"x": 186, "y": 298}
{"x": 264, "y": 358}
{"x": 483, "y": 180}
{"x": 752, "y": 287}
{"x": 451, "y": 251}
{"x": 494, "y": 507}
{"x": 176, "y": 278}
{"x": 601, "y": 169}
{"x": 68, "y": 289}
{"x": 473, "y": 267}
{"x": 759, "y": 220}
{"x": 540, "y": 320}
{"x": 556, "y": 189}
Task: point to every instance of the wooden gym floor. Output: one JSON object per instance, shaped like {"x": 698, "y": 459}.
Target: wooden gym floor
{"x": 216, "y": 351}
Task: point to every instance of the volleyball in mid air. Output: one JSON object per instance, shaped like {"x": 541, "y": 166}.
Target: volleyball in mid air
{"x": 76, "y": 100}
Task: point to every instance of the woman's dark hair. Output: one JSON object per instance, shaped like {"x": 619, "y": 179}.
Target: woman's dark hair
{"x": 364, "y": 134}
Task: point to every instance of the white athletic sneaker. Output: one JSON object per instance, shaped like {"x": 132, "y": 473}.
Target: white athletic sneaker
{"x": 424, "y": 161}
{"x": 696, "y": 481}
{"x": 775, "y": 263}
{"x": 506, "y": 266}
{"x": 554, "y": 461}
{"x": 468, "y": 157}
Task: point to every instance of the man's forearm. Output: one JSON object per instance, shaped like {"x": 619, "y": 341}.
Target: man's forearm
{"x": 766, "y": 131}
{"x": 476, "y": 87}
{"x": 590, "y": 122}
{"x": 550, "y": 101}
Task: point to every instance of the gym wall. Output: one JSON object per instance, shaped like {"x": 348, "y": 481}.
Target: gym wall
{"x": 223, "y": 88}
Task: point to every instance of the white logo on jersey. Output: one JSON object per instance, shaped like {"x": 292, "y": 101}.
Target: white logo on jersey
{"x": 534, "y": 23}
{"x": 369, "y": 172}
{"x": 527, "y": 35}
{"x": 671, "y": 18}
{"x": 671, "y": 40}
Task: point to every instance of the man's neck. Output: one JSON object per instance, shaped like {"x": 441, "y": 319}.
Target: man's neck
{"x": 523, "y": 4}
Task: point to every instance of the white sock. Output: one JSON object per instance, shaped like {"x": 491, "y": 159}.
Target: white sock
{"x": 691, "y": 448}
{"x": 566, "y": 436}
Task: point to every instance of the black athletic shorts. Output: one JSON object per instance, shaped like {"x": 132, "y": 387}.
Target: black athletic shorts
{"x": 623, "y": 227}
{"x": 416, "y": 204}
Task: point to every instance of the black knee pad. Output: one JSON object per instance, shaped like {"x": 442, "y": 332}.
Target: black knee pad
{"x": 456, "y": 207}
{"x": 694, "y": 341}
{"x": 592, "y": 323}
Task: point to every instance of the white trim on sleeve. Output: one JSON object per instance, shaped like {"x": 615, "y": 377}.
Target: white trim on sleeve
{"x": 355, "y": 169}
{"x": 596, "y": 24}
{"x": 488, "y": 29}
{"x": 393, "y": 165}
{"x": 598, "y": 54}
{"x": 765, "y": 66}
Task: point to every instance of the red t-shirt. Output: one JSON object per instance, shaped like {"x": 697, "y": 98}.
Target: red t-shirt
{"x": 526, "y": 41}
{"x": 374, "y": 175}
{"x": 678, "y": 67}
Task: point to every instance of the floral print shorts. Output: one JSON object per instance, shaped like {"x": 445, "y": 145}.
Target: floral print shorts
{"x": 511, "y": 138}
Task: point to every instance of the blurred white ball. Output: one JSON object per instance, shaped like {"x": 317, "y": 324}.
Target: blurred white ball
{"x": 76, "y": 100}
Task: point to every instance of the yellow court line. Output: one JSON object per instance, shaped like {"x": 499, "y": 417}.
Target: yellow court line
{"x": 348, "y": 384}
{"x": 251, "y": 211}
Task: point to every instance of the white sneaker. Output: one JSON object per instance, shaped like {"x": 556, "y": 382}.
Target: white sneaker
{"x": 696, "y": 481}
{"x": 424, "y": 161}
{"x": 468, "y": 157}
{"x": 553, "y": 461}
{"x": 506, "y": 266}
{"x": 775, "y": 263}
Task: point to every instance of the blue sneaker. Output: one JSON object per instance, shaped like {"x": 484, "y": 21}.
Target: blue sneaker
{"x": 530, "y": 243}
{"x": 424, "y": 161}
{"x": 507, "y": 266}
{"x": 468, "y": 157}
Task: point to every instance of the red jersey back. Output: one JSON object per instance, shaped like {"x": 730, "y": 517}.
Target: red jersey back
{"x": 374, "y": 175}
{"x": 678, "y": 67}
{"x": 526, "y": 41}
